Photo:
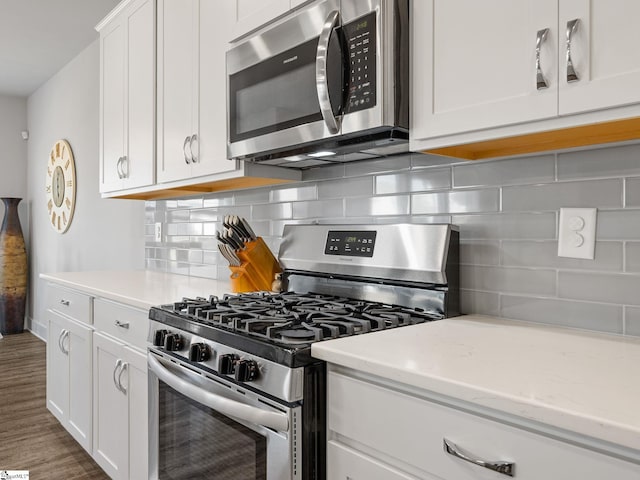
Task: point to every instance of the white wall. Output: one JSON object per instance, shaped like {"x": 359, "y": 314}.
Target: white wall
{"x": 106, "y": 234}
{"x": 13, "y": 158}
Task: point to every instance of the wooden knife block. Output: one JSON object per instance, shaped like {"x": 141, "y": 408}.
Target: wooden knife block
{"x": 258, "y": 268}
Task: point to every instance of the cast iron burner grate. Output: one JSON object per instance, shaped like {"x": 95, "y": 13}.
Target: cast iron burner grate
{"x": 297, "y": 318}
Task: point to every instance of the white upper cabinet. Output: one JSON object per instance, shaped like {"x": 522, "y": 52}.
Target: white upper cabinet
{"x": 604, "y": 54}
{"x": 474, "y": 64}
{"x": 192, "y": 88}
{"x": 249, "y": 15}
{"x": 127, "y": 97}
{"x": 498, "y": 69}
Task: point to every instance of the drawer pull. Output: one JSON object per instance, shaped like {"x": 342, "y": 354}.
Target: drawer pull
{"x": 506, "y": 468}
{"x": 122, "y": 325}
{"x": 64, "y": 302}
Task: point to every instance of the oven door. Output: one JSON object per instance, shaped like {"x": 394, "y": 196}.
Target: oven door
{"x": 202, "y": 426}
{"x": 286, "y": 86}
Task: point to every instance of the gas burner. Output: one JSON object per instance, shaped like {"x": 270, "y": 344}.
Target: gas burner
{"x": 296, "y": 318}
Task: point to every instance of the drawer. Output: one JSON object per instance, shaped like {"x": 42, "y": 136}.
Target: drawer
{"x": 411, "y": 429}
{"x": 70, "y": 303}
{"x": 125, "y": 323}
{"x": 345, "y": 463}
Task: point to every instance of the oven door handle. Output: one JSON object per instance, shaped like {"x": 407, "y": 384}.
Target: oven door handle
{"x": 226, "y": 406}
{"x": 322, "y": 74}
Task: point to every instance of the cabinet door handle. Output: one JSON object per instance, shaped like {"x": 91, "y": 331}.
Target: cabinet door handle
{"x": 541, "y": 82}
{"x": 572, "y": 26}
{"x": 122, "y": 324}
{"x": 125, "y": 163}
{"x": 506, "y": 468}
{"x": 64, "y": 302}
{"x": 194, "y": 157}
{"x": 65, "y": 337}
{"x": 119, "y": 167}
{"x": 63, "y": 332}
{"x": 124, "y": 367}
{"x": 187, "y": 158}
{"x": 115, "y": 373}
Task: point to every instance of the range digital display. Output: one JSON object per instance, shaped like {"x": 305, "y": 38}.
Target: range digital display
{"x": 350, "y": 243}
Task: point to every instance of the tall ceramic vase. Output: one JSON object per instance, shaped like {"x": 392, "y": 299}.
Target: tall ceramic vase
{"x": 13, "y": 270}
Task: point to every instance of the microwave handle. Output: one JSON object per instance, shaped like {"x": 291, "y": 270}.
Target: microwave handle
{"x": 322, "y": 81}
{"x": 226, "y": 406}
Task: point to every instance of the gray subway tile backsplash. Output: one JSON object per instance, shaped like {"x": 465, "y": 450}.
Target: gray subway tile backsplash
{"x": 617, "y": 161}
{"x": 608, "y": 256}
{"x": 508, "y": 279}
{"x": 505, "y": 172}
{"x": 413, "y": 181}
{"x": 453, "y": 201}
{"x": 507, "y": 212}
{"x": 593, "y": 316}
{"x": 552, "y": 196}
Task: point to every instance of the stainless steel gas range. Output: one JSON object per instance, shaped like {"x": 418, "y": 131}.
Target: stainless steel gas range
{"x": 234, "y": 391}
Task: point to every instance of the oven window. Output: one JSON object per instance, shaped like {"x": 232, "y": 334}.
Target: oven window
{"x": 197, "y": 442}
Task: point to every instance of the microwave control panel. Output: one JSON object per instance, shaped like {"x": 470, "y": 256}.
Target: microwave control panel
{"x": 360, "y": 37}
{"x": 350, "y": 243}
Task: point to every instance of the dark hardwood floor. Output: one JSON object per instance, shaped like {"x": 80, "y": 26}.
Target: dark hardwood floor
{"x": 30, "y": 437}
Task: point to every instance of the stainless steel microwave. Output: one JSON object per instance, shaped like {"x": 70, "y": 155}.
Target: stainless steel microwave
{"x": 329, "y": 83}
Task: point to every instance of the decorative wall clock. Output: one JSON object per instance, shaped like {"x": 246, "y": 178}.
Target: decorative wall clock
{"x": 61, "y": 186}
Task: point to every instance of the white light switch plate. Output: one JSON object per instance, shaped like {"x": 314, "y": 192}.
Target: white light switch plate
{"x": 577, "y": 233}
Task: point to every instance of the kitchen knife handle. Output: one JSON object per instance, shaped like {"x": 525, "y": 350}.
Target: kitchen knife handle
{"x": 506, "y": 468}
{"x": 541, "y": 82}
{"x": 572, "y": 26}
{"x": 322, "y": 80}
{"x": 187, "y": 158}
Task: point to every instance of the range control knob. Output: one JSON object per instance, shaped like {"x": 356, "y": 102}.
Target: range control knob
{"x": 199, "y": 352}
{"x": 246, "y": 370}
{"x": 173, "y": 342}
{"x": 158, "y": 338}
{"x": 226, "y": 364}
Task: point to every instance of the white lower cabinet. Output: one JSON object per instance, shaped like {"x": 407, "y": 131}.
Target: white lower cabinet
{"x": 97, "y": 378}
{"x": 120, "y": 409}
{"x": 69, "y": 375}
{"x": 378, "y": 432}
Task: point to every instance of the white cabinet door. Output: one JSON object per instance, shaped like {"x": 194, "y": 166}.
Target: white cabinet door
{"x": 474, "y": 64}
{"x": 139, "y": 164}
{"x": 69, "y": 376}
{"x": 112, "y": 104}
{"x": 252, "y": 14}
{"x": 135, "y": 378}
{"x": 111, "y": 439}
{"x": 604, "y": 53}
{"x": 120, "y": 414}
{"x": 177, "y": 86}
{"x": 192, "y": 113}
{"x": 210, "y": 147}
{"x": 57, "y": 368}
{"x": 127, "y": 100}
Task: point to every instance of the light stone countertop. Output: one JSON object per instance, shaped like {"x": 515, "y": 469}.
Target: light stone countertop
{"x": 573, "y": 380}
{"x": 138, "y": 288}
